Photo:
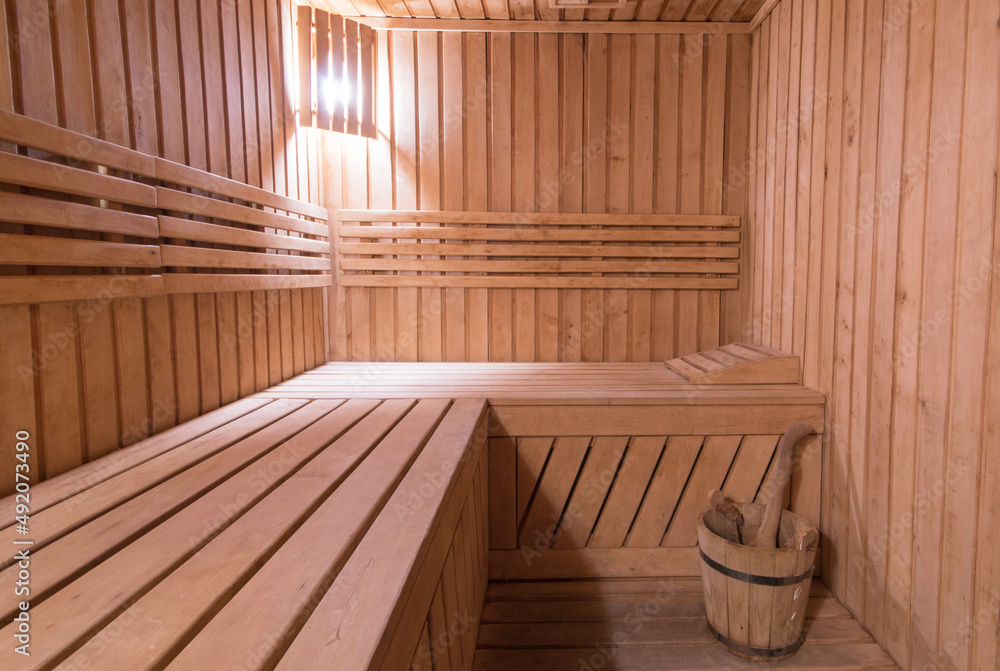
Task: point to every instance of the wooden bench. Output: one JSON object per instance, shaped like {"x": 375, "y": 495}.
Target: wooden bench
{"x": 295, "y": 529}
{"x": 362, "y": 517}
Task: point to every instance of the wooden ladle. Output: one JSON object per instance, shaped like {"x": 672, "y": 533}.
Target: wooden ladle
{"x": 767, "y": 534}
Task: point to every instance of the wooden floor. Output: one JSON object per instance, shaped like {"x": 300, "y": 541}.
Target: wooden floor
{"x": 647, "y": 625}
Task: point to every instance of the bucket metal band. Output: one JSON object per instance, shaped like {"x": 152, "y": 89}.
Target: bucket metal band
{"x": 770, "y": 581}
{"x": 756, "y": 652}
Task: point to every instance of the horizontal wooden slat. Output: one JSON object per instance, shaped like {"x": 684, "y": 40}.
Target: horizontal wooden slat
{"x": 38, "y": 174}
{"x": 28, "y": 132}
{"x": 666, "y": 420}
{"x": 188, "y": 283}
{"x": 37, "y": 250}
{"x": 514, "y": 26}
{"x": 539, "y": 234}
{"x": 607, "y": 563}
{"x": 189, "y": 203}
{"x": 538, "y": 218}
{"x": 175, "y": 173}
{"x": 515, "y": 282}
{"x": 571, "y": 250}
{"x": 187, "y": 229}
{"x": 553, "y": 266}
{"x": 21, "y": 209}
{"x": 14, "y": 290}
{"x": 199, "y": 257}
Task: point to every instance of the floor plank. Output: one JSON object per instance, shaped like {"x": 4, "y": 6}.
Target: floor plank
{"x": 644, "y": 625}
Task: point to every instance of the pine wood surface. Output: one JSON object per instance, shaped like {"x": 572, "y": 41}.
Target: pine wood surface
{"x": 158, "y": 564}
{"x": 873, "y": 228}
{"x": 633, "y": 624}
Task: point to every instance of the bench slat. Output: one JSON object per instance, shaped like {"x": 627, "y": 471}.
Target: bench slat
{"x": 61, "y": 518}
{"x": 87, "y": 545}
{"x": 48, "y": 493}
{"x": 397, "y": 557}
{"x": 279, "y": 597}
{"x": 218, "y": 569}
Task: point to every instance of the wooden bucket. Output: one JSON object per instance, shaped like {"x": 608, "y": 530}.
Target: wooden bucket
{"x": 755, "y": 599}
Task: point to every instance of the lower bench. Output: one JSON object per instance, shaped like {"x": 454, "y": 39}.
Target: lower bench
{"x": 286, "y": 534}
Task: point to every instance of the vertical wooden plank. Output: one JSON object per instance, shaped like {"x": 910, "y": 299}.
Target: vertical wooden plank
{"x": 596, "y": 135}
{"x": 187, "y": 365}
{"x": 500, "y": 144}
{"x": 691, "y": 115}
{"x": 160, "y": 364}
{"x": 133, "y": 380}
{"x": 843, "y": 346}
{"x": 477, "y": 327}
{"x": 572, "y": 158}
{"x": 285, "y": 329}
{"x": 868, "y": 201}
{"x": 98, "y": 380}
{"x": 286, "y": 76}
{"x": 736, "y": 186}
{"x": 616, "y": 300}
{"x": 141, "y": 79}
{"x": 323, "y": 82}
{"x": 18, "y": 379}
{"x": 208, "y": 352}
{"x": 429, "y": 310}
{"x": 775, "y": 296}
{"x": 351, "y": 60}
{"x": 663, "y": 325}
{"x": 640, "y": 308}
{"x": 452, "y": 183}
{"x": 6, "y": 74}
{"x": 265, "y": 123}
{"x": 321, "y": 327}
{"x": 75, "y": 67}
{"x": 970, "y": 347}
{"x": 817, "y": 107}
{"x": 716, "y": 51}
{"x": 366, "y": 95}
{"x": 338, "y": 62}
{"x": 228, "y": 338}
{"x": 309, "y": 331}
{"x": 503, "y": 493}
{"x": 170, "y": 109}
{"x": 272, "y": 74}
{"x": 303, "y": 25}
{"x": 261, "y": 346}
{"x": 380, "y": 158}
{"x": 835, "y": 506}
{"x": 247, "y": 73}
{"x": 547, "y": 186}
{"x": 233, "y": 91}
{"x": 298, "y": 331}
{"x": 34, "y": 51}
{"x": 215, "y": 105}
{"x": 404, "y": 159}
{"x": 523, "y": 195}
{"x": 246, "y": 327}
{"x": 191, "y": 76}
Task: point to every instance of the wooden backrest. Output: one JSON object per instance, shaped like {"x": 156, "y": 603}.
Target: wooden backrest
{"x": 81, "y": 218}
{"x": 386, "y": 248}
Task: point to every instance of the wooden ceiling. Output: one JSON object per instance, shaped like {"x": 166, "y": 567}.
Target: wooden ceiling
{"x": 544, "y": 10}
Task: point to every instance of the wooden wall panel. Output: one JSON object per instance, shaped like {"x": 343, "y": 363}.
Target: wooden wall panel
{"x": 193, "y": 84}
{"x": 872, "y": 215}
{"x": 591, "y": 123}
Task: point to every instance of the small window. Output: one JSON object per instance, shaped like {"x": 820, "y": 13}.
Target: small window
{"x": 336, "y": 73}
